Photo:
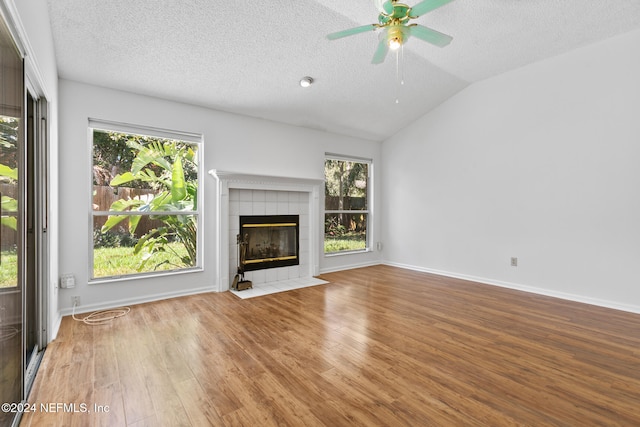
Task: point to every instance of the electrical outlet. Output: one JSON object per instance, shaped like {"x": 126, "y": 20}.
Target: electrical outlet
{"x": 75, "y": 300}
{"x": 514, "y": 262}
{"x": 67, "y": 280}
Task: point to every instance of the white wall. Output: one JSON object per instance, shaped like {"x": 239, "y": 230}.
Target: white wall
{"x": 32, "y": 18}
{"x": 541, "y": 163}
{"x": 231, "y": 143}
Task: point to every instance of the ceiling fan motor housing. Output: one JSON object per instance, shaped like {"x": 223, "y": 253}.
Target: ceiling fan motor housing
{"x": 400, "y": 13}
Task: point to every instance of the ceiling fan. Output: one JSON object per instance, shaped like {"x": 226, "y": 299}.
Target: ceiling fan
{"x": 394, "y": 21}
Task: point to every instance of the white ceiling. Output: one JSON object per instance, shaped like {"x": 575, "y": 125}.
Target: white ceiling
{"x": 247, "y": 56}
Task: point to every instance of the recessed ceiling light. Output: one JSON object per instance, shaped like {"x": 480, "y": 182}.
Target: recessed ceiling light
{"x": 306, "y": 81}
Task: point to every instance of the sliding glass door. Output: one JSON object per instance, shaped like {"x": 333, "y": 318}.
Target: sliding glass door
{"x": 23, "y": 238}
{"x": 12, "y": 227}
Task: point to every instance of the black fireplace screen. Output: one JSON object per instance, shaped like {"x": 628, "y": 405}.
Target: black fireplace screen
{"x": 271, "y": 241}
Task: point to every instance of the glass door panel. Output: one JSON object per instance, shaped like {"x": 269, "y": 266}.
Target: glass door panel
{"x": 11, "y": 227}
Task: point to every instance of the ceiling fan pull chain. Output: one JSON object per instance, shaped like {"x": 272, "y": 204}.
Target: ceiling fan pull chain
{"x": 402, "y": 64}
{"x": 399, "y": 71}
{"x": 398, "y": 76}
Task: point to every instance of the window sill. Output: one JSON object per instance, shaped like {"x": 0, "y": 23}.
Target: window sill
{"x": 112, "y": 279}
{"x": 336, "y": 254}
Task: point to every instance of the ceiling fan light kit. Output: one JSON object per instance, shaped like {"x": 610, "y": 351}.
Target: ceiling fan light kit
{"x": 395, "y": 38}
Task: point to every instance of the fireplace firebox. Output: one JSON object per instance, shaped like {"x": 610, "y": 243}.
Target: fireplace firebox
{"x": 271, "y": 241}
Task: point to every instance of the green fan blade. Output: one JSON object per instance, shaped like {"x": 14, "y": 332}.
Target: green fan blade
{"x": 431, "y": 36}
{"x": 387, "y": 7}
{"x": 426, "y": 6}
{"x": 381, "y": 51}
{"x": 351, "y": 31}
{"x": 383, "y": 6}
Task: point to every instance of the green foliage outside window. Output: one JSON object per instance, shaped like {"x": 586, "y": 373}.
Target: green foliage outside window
{"x": 8, "y": 168}
{"x": 346, "y": 205}
{"x": 167, "y": 170}
{"x": 9, "y": 133}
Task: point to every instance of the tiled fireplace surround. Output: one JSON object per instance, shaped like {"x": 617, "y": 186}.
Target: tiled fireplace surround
{"x": 247, "y": 194}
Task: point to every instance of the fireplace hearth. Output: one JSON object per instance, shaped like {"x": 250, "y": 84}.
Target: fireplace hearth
{"x": 271, "y": 241}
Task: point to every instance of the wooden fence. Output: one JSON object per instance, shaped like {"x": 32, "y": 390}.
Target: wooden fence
{"x": 354, "y": 222}
{"x": 104, "y": 196}
{"x": 333, "y": 202}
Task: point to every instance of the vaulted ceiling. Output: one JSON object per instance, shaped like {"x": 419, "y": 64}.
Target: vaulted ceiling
{"x": 247, "y": 57}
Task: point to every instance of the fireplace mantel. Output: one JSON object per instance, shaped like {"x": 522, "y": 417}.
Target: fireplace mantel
{"x": 265, "y": 182}
{"x": 227, "y": 180}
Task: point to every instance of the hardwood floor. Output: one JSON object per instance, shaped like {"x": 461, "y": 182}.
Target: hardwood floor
{"x": 376, "y": 346}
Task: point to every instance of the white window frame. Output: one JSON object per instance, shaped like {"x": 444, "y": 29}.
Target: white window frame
{"x": 192, "y": 138}
{"x": 368, "y": 211}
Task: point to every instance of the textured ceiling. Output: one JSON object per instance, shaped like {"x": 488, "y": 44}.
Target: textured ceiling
{"x": 247, "y": 57}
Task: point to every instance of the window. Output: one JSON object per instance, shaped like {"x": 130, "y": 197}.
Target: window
{"x": 144, "y": 202}
{"x": 346, "y": 213}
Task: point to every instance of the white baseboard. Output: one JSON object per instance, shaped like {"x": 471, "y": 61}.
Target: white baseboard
{"x": 137, "y": 300}
{"x": 532, "y": 289}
